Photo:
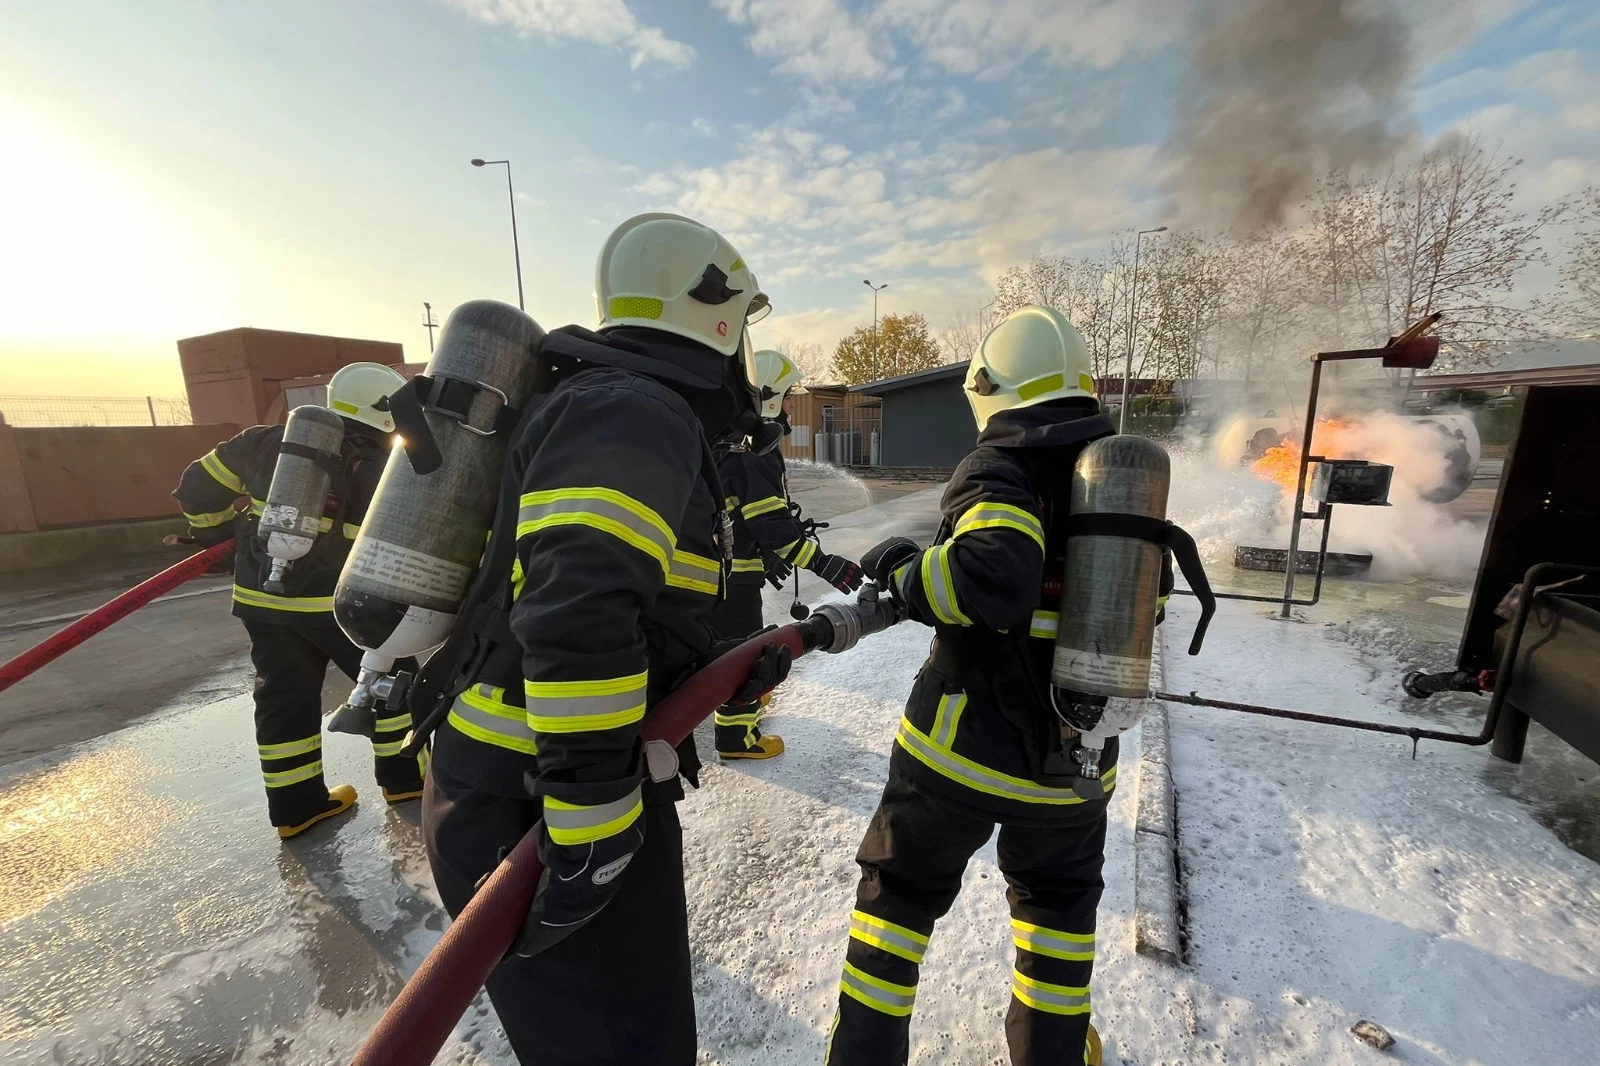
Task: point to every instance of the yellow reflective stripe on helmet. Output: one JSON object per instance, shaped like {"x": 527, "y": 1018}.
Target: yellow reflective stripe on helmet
{"x": 212, "y": 463}
{"x": 883, "y": 996}
{"x": 211, "y": 519}
{"x": 1000, "y": 516}
{"x": 887, "y": 936}
{"x": 1073, "y": 947}
{"x": 585, "y": 706}
{"x": 1045, "y": 624}
{"x": 481, "y": 713}
{"x": 289, "y": 748}
{"x": 940, "y": 587}
{"x": 573, "y": 823}
{"x": 635, "y": 307}
{"x": 947, "y": 717}
{"x": 764, "y": 506}
{"x": 1038, "y": 386}
{"x": 981, "y": 778}
{"x": 1052, "y": 999}
{"x": 293, "y": 604}
{"x": 599, "y": 508}
{"x": 293, "y": 777}
{"x": 748, "y": 566}
{"x": 345, "y": 408}
{"x": 694, "y": 572}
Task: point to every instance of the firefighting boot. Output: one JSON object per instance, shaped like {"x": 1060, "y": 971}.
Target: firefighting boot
{"x": 400, "y": 777}
{"x": 766, "y": 746}
{"x": 1092, "y": 1053}
{"x": 340, "y": 799}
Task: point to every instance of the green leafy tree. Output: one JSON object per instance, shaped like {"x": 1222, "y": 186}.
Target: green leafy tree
{"x": 903, "y": 345}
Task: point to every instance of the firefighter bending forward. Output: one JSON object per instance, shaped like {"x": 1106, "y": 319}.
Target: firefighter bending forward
{"x": 979, "y": 730}
{"x": 769, "y": 541}
{"x": 293, "y": 636}
{"x": 620, "y": 558}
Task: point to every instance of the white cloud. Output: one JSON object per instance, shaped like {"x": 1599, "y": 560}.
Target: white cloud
{"x": 603, "y": 22}
{"x": 703, "y": 126}
{"x": 815, "y": 40}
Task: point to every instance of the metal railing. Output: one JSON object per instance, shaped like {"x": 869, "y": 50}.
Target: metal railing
{"x": 849, "y": 436}
{"x": 36, "y": 411}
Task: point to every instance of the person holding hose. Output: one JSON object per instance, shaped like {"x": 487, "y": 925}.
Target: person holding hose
{"x": 293, "y": 636}
{"x": 770, "y": 539}
{"x": 622, "y": 552}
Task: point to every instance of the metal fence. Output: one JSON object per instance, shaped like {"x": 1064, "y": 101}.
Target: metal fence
{"x": 94, "y": 411}
{"x": 850, "y": 436}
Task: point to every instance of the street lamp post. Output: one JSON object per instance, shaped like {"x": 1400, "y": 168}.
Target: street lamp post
{"x": 427, "y": 320}
{"x": 1133, "y": 296}
{"x": 875, "y": 290}
{"x": 511, "y": 194}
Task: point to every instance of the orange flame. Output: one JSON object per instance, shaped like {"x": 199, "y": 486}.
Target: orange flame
{"x": 1281, "y": 463}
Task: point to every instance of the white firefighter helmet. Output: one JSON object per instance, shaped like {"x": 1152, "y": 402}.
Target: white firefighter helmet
{"x": 1033, "y": 356}
{"x": 355, "y": 391}
{"x": 671, "y": 273}
{"x": 776, "y": 374}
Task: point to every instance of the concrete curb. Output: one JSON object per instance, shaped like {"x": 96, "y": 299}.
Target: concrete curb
{"x": 1156, "y": 925}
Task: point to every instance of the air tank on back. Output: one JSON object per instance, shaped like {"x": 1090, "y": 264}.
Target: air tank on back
{"x": 424, "y": 533}
{"x": 292, "y": 515}
{"x": 1110, "y": 587}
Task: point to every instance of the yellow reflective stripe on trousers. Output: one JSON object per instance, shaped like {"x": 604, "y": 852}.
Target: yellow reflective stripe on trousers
{"x": 1052, "y": 999}
{"x": 977, "y": 776}
{"x": 210, "y": 519}
{"x": 749, "y": 566}
{"x": 293, "y": 777}
{"x": 600, "y": 508}
{"x": 760, "y": 507}
{"x": 887, "y": 936}
{"x": 289, "y": 748}
{"x": 1045, "y": 625}
{"x": 389, "y": 725}
{"x": 294, "y": 604}
{"x": 213, "y": 465}
{"x": 583, "y": 706}
{"x": 572, "y": 823}
{"x": 694, "y": 572}
{"x": 1000, "y": 516}
{"x": 947, "y": 717}
{"x": 482, "y": 714}
{"x": 752, "y": 718}
{"x": 387, "y": 748}
{"x": 883, "y": 996}
{"x": 1073, "y": 947}
{"x": 940, "y": 587}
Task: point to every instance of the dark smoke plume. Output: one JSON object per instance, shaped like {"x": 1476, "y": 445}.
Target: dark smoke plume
{"x": 1276, "y": 94}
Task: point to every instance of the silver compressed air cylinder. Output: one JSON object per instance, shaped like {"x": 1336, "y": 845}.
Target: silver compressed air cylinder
{"x": 424, "y": 534}
{"x": 1110, "y": 584}
{"x": 291, "y": 517}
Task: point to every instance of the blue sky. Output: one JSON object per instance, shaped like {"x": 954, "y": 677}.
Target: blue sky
{"x": 173, "y": 167}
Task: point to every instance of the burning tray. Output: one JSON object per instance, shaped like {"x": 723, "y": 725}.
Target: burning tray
{"x": 1340, "y": 564}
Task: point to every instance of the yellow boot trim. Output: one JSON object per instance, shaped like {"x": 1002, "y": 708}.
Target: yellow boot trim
{"x": 343, "y": 795}
{"x": 392, "y": 798}
{"x": 769, "y": 746}
{"x": 1091, "y": 1052}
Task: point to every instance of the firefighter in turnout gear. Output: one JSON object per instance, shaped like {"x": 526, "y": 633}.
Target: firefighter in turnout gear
{"x": 980, "y": 744}
{"x": 293, "y": 636}
{"x": 769, "y": 540}
{"x": 621, "y": 553}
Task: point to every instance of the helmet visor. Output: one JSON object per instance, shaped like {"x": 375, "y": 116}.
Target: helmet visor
{"x": 760, "y": 307}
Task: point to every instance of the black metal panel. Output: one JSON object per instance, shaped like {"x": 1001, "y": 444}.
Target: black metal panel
{"x": 1548, "y": 507}
{"x": 927, "y": 424}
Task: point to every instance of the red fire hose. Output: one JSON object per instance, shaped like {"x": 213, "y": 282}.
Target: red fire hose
{"x": 63, "y": 641}
{"x": 419, "y": 1021}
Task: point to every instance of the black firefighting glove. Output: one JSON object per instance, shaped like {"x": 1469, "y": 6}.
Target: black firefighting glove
{"x": 885, "y": 557}
{"x": 577, "y": 883}
{"x": 776, "y": 569}
{"x": 836, "y": 570}
{"x": 768, "y": 672}
{"x": 211, "y": 535}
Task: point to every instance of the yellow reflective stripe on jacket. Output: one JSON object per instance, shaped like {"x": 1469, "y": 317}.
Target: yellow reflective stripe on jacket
{"x": 294, "y": 604}
{"x": 887, "y": 936}
{"x": 799, "y": 552}
{"x": 981, "y": 778}
{"x": 600, "y": 508}
{"x": 482, "y": 714}
{"x": 1052, "y": 999}
{"x": 1045, "y": 625}
{"x": 749, "y": 566}
{"x": 947, "y": 717}
{"x": 939, "y": 587}
{"x": 289, "y": 748}
{"x": 585, "y": 706}
{"x": 351, "y": 529}
{"x": 213, "y": 465}
{"x": 293, "y": 777}
{"x": 694, "y": 572}
{"x": 1000, "y": 516}
{"x": 758, "y": 508}
{"x": 1073, "y": 947}
{"x": 572, "y": 823}
{"x": 210, "y": 520}
{"x": 883, "y": 996}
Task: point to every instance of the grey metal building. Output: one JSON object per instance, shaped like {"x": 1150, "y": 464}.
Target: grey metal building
{"x": 926, "y": 420}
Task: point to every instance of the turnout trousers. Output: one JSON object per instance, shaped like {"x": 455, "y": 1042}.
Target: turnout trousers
{"x": 912, "y": 859}
{"x": 291, "y": 664}
{"x": 736, "y": 617}
{"x": 618, "y": 991}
